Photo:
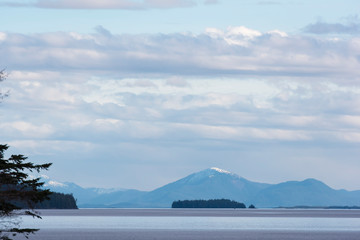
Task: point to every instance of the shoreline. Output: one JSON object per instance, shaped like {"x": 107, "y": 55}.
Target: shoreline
{"x": 204, "y": 212}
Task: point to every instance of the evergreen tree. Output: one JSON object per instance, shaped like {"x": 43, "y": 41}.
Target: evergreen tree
{"x": 18, "y": 191}
{"x": 58, "y": 201}
{"x": 3, "y": 76}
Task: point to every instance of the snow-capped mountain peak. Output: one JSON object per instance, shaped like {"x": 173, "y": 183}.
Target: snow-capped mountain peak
{"x": 55, "y": 184}
{"x": 208, "y": 173}
{"x": 220, "y": 170}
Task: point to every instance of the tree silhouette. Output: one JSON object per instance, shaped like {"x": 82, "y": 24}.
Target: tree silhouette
{"x": 211, "y": 203}
{"x": 17, "y": 191}
{"x": 3, "y": 76}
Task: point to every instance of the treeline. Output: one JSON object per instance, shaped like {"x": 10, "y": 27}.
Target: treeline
{"x": 343, "y": 207}
{"x": 58, "y": 201}
{"x": 212, "y": 203}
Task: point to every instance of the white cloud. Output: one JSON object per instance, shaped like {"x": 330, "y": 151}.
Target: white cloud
{"x": 27, "y": 129}
{"x": 2, "y": 36}
{"x": 238, "y": 51}
{"x": 241, "y": 133}
{"x": 243, "y": 31}
{"x": 351, "y": 120}
{"x": 349, "y": 136}
{"x": 278, "y": 32}
{"x": 131, "y": 100}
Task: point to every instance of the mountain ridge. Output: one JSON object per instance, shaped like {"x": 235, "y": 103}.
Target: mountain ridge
{"x": 216, "y": 183}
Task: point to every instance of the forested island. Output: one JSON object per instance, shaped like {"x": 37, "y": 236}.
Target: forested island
{"x": 212, "y": 203}
{"x": 58, "y": 201}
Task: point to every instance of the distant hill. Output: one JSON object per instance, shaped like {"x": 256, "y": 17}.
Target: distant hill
{"x": 309, "y": 192}
{"x": 215, "y": 183}
{"x": 93, "y": 197}
{"x": 212, "y": 183}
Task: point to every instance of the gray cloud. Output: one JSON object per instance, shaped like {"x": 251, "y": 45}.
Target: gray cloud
{"x": 235, "y": 52}
{"x": 79, "y": 118}
{"x": 224, "y": 98}
{"x": 351, "y": 27}
{"x": 103, "y": 31}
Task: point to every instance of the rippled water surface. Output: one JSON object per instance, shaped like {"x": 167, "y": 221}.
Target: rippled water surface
{"x": 196, "y": 224}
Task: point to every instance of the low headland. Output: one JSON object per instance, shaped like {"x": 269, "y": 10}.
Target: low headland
{"x": 58, "y": 201}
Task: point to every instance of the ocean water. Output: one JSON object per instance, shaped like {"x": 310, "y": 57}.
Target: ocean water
{"x": 181, "y": 224}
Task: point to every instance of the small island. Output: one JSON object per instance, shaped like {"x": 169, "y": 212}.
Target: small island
{"x": 212, "y": 203}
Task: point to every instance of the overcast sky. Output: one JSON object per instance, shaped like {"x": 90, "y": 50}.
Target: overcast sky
{"x": 139, "y": 93}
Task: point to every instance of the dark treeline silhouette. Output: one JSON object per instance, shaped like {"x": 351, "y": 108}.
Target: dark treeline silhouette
{"x": 55, "y": 201}
{"x": 343, "y": 207}
{"x": 212, "y": 203}
{"x": 58, "y": 201}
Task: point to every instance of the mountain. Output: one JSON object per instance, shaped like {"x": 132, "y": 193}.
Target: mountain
{"x": 309, "y": 192}
{"x": 214, "y": 183}
{"x": 211, "y": 183}
{"x": 92, "y": 197}
{"x": 120, "y": 198}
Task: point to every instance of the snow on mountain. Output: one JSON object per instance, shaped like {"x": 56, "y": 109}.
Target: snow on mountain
{"x": 212, "y": 183}
{"x": 220, "y": 170}
{"x": 82, "y": 195}
{"x": 215, "y": 183}
{"x": 55, "y": 184}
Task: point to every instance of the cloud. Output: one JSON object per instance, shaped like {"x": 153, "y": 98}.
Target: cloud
{"x": 225, "y": 96}
{"x": 27, "y": 129}
{"x": 177, "y": 82}
{"x": 352, "y": 26}
{"x": 78, "y": 118}
{"x": 71, "y": 108}
{"x": 105, "y": 4}
{"x": 103, "y": 31}
{"x": 142, "y": 83}
{"x": 236, "y": 51}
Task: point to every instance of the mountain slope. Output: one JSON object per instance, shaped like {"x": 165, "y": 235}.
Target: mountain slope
{"x": 309, "y": 192}
{"x": 214, "y": 183}
{"x": 211, "y": 183}
{"x": 93, "y": 197}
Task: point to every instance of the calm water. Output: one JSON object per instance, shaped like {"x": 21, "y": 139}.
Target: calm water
{"x": 196, "y": 224}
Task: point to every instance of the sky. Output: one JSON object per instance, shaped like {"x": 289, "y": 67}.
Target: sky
{"x": 140, "y": 93}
